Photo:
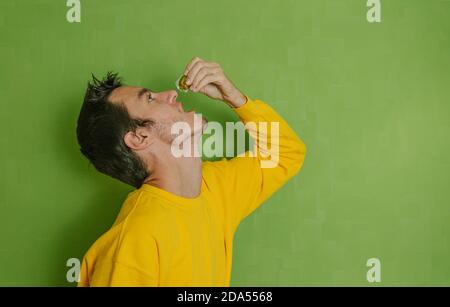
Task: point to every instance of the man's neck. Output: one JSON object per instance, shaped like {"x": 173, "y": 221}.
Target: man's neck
{"x": 180, "y": 176}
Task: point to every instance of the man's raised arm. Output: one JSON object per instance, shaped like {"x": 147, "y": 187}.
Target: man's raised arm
{"x": 244, "y": 182}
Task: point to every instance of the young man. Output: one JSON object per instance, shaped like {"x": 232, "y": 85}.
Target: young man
{"x": 177, "y": 227}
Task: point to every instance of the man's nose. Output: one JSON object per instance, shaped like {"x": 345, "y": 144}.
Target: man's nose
{"x": 172, "y": 96}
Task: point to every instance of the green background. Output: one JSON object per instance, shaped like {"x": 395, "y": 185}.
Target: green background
{"x": 370, "y": 100}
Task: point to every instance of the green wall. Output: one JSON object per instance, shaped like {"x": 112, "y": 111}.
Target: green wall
{"x": 370, "y": 100}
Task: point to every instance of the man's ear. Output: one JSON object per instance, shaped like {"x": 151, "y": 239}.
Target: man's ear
{"x": 139, "y": 139}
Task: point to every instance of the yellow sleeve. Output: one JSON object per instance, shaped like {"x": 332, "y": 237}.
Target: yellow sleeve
{"x": 244, "y": 182}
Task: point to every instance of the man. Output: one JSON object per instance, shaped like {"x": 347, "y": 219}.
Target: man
{"x": 177, "y": 227}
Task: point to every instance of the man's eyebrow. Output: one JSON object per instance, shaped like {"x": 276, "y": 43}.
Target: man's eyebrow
{"x": 142, "y": 92}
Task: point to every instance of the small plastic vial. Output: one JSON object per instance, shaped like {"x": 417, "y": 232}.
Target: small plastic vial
{"x": 181, "y": 84}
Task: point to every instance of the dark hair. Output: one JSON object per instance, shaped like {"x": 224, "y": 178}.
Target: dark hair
{"x": 101, "y": 128}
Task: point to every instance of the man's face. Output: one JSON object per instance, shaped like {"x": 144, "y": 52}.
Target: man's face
{"x": 160, "y": 107}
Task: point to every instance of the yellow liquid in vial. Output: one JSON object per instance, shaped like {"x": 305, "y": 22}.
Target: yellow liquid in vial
{"x": 181, "y": 84}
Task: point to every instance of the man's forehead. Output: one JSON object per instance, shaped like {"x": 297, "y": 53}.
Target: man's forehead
{"x": 125, "y": 93}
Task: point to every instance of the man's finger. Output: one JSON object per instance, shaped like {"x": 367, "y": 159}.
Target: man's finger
{"x": 195, "y": 69}
{"x": 191, "y": 64}
{"x": 205, "y": 81}
{"x": 204, "y": 71}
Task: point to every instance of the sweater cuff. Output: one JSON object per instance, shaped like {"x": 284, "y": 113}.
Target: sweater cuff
{"x": 246, "y": 109}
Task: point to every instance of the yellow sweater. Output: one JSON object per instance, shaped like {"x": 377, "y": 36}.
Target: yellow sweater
{"x": 160, "y": 239}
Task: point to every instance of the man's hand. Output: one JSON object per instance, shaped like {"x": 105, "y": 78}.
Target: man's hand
{"x": 208, "y": 78}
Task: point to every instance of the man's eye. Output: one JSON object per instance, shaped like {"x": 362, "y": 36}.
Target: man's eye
{"x": 150, "y": 98}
